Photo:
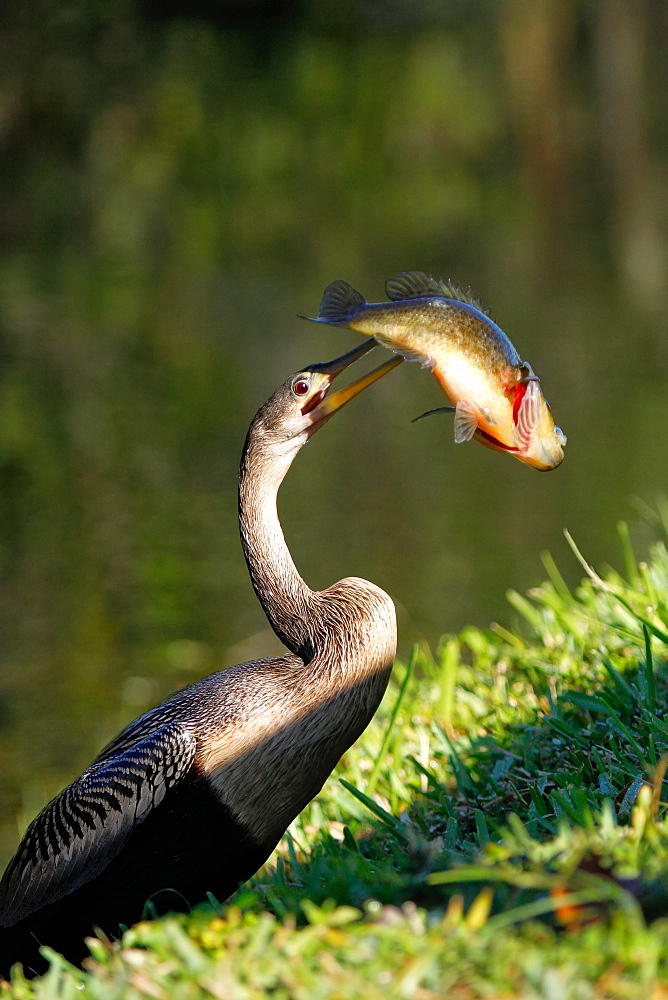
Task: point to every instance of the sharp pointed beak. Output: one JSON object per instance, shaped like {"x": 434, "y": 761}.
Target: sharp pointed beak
{"x": 338, "y": 365}
{"x": 326, "y": 405}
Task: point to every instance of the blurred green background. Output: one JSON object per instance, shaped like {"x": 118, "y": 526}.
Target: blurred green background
{"x": 178, "y": 181}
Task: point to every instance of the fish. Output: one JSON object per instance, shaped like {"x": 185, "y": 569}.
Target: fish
{"x": 497, "y": 399}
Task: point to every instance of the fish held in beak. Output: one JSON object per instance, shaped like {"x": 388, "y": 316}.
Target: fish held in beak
{"x": 496, "y": 396}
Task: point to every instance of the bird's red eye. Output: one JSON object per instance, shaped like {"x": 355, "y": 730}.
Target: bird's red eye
{"x": 301, "y": 387}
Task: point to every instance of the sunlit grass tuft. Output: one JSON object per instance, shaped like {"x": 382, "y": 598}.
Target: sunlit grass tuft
{"x": 499, "y": 830}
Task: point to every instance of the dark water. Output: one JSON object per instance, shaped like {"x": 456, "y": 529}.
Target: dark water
{"x": 174, "y": 192}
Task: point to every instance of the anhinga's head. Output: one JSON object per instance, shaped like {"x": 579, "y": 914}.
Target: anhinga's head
{"x": 299, "y": 407}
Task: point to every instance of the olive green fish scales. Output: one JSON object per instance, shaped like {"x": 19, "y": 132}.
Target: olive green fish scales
{"x": 497, "y": 396}
{"x": 436, "y": 313}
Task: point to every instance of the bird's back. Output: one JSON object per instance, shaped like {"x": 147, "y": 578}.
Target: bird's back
{"x": 146, "y": 833}
{"x": 248, "y": 748}
{"x": 189, "y": 846}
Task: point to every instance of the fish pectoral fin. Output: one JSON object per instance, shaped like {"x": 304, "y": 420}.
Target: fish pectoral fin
{"x": 528, "y": 413}
{"x": 406, "y": 353}
{"x": 487, "y": 414}
{"x": 340, "y": 302}
{"x": 466, "y": 420}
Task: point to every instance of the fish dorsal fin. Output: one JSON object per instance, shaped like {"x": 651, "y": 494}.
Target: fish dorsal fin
{"x": 414, "y": 285}
{"x": 340, "y": 302}
{"x": 466, "y": 421}
{"x": 417, "y": 284}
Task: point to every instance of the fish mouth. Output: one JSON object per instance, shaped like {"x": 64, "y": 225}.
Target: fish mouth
{"x": 321, "y": 406}
{"x": 543, "y": 458}
{"x": 549, "y": 456}
{"x": 542, "y": 465}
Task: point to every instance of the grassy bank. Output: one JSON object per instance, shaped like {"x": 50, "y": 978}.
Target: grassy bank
{"x": 498, "y": 831}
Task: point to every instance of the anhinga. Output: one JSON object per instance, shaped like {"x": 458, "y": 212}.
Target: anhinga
{"x": 192, "y": 797}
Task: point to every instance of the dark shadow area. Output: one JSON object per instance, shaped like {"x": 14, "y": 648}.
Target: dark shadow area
{"x": 593, "y": 751}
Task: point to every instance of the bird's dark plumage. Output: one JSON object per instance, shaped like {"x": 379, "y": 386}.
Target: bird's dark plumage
{"x": 191, "y": 798}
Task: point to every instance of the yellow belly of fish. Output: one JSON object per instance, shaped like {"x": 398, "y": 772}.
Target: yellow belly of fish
{"x": 462, "y": 380}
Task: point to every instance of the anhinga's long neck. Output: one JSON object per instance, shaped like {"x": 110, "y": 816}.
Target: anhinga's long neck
{"x": 287, "y": 601}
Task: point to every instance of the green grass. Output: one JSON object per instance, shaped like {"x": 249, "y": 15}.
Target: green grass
{"x": 498, "y": 831}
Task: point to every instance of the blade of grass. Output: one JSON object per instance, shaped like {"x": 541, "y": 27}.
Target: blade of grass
{"x": 480, "y": 873}
{"x": 482, "y": 829}
{"x": 526, "y": 609}
{"x": 390, "y": 731}
{"x": 555, "y": 576}
{"x": 648, "y": 584}
{"x": 620, "y": 682}
{"x": 649, "y": 671}
{"x": 450, "y": 661}
{"x": 382, "y": 814}
{"x": 549, "y": 904}
{"x": 657, "y": 784}
{"x": 630, "y": 561}
{"x": 609, "y": 589}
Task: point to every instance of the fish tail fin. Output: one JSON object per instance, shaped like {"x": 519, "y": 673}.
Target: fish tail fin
{"x": 340, "y": 303}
